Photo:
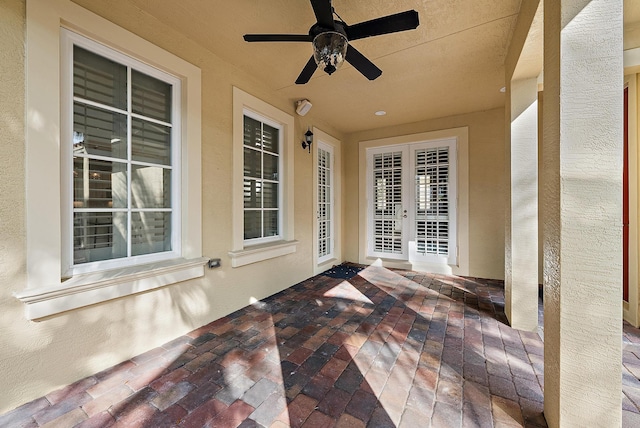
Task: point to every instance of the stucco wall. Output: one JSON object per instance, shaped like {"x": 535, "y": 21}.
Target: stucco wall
{"x": 37, "y": 357}
{"x": 486, "y": 186}
{"x": 12, "y": 230}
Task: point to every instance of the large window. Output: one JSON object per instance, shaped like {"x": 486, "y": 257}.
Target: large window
{"x": 262, "y": 141}
{"x": 118, "y": 137}
{"x": 124, "y": 151}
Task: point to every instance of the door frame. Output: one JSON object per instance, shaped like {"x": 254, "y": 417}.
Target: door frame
{"x": 321, "y": 145}
{"x": 631, "y": 309}
{"x": 462, "y": 136}
{"x": 328, "y": 140}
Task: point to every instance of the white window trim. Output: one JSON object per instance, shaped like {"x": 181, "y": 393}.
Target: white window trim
{"x": 320, "y": 136}
{"x": 46, "y": 293}
{"x": 461, "y": 134}
{"x": 242, "y": 254}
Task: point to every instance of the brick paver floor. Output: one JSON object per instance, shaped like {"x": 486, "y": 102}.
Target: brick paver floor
{"x": 384, "y": 348}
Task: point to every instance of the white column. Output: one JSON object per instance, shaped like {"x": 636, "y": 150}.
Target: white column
{"x": 521, "y": 285}
{"x": 582, "y": 205}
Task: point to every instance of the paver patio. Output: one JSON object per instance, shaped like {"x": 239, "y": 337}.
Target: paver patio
{"x": 383, "y": 348}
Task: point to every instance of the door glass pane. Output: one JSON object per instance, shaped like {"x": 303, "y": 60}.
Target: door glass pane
{"x": 432, "y": 201}
{"x": 150, "y": 187}
{"x": 99, "y": 132}
{"x": 99, "y": 236}
{"x": 324, "y": 204}
{"x": 387, "y": 203}
{"x": 150, "y": 232}
{"x": 98, "y": 79}
{"x": 150, "y": 97}
{"x": 150, "y": 142}
{"x": 99, "y": 183}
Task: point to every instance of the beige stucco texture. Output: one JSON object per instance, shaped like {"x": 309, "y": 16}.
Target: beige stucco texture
{"x": 582, "y": 211}
{"x": 39, "y": 356}
{"x": 499, "y": 181}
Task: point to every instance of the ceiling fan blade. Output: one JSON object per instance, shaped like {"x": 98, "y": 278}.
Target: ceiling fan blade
{"x": 323, "y": 12}
{"x": 307, "y": 72}
{"x": 387, "y": 24}
{"x": 362, "y": 64}
{"x": 277, "y": 38}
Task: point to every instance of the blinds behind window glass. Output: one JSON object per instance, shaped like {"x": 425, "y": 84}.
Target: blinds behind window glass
{"x": 122, "y": 170}
{"x": 261, "y": 181}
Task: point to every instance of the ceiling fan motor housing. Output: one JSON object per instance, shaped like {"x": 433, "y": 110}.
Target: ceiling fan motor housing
{"x": 329, "y": 50}
{"x": 329, "y": 46}
{"x": 331, "y": 39}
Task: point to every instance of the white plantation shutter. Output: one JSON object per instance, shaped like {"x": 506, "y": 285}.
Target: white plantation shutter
{"x": 412, "y": 209}
{"x": 388, "y": 201}
{"x": 325, "y": 203}
{"x": 432, "y": 201}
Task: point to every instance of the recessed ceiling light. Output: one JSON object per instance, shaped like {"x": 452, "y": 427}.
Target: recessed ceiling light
{"x": 503, "y": 89}
{"x": 381, "y": 113}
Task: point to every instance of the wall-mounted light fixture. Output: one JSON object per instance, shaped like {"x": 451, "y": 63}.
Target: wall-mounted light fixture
{"x": 308, "y": 140}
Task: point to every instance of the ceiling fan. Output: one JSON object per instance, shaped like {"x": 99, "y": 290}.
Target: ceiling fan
{"x": 330, "y": 39}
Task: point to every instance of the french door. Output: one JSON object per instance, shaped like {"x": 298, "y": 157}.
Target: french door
{"x": 325, "y": 204}
{"x": 412, "y": 202}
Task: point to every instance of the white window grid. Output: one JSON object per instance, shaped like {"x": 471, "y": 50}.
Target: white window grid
{"x": 69, "y": 152}
{"x": 276, "y": 179}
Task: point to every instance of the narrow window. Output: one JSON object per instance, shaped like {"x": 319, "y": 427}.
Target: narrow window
{"x": 261, "y": 178}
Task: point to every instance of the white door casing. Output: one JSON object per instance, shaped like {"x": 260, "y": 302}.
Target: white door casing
{"x": 412, "y": 202}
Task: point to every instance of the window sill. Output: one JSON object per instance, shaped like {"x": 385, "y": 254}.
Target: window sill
{"x": 262, "y": 252}
{"x": 88, "y": 289}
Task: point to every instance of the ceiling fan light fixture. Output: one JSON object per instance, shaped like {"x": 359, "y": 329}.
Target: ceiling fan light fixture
{"x": 330, "y": 50}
